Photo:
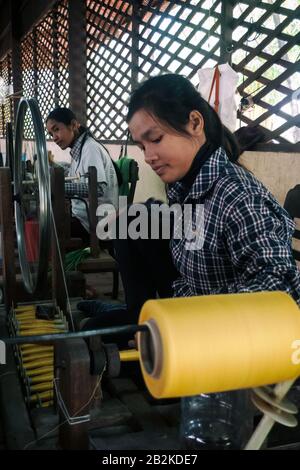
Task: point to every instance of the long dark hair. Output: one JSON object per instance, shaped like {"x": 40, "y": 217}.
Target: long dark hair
{"x": 66, "y": 116}
{"x": 171, "y": 98}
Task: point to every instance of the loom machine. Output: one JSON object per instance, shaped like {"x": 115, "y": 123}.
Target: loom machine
{"x": 36, "y": 302}
{"x": 67, "y": 389}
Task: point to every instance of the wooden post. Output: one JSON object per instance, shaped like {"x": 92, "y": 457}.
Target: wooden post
{"x": 7, "y": 237}
{"x": 58, "y": 204}
{"x": 77, "y": 59}
{"x": 93, "y": 204}
{"x": 226, "y": 30}
{"x": 16, "y": 53}
{"x": 72, "y": 369}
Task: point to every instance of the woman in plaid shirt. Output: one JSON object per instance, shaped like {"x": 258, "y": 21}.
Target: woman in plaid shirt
{"x": 247, "y": 234}
{"x": 246, "y": 243}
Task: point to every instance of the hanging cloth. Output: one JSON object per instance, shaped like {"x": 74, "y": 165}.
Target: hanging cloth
{"x": 218, "y": 87}
{"x": 124, "y": 165}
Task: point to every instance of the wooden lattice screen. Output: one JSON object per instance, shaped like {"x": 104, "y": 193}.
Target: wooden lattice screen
{"x": 130, "y": 40}
{"x": 45, "y": 62}
{"x": 266, "y": 52}
{"x": 181, "y": 37}
{"x": 6, "y": 107}
{"x": 109, "y": 67}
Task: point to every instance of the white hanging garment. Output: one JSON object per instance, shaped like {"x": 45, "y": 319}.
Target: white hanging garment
{"x": 221, "y": 92}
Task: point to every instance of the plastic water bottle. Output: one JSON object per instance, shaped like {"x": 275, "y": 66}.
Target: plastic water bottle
{"x": 216, "y": 421}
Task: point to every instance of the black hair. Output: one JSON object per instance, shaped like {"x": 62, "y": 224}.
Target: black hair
{"x": 171, "y": 98}
{"x": 64, "y": 115}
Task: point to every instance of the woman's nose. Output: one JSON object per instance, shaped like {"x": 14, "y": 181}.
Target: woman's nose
{"x": 150, "y": 157}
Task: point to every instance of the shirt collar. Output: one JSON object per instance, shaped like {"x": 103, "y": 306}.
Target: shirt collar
{"x": 75, "y": 151}
{"x": 208, "y": 175}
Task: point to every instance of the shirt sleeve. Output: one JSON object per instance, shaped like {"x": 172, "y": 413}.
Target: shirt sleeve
{"x": 82, "y": 189}
{"x": 258, "y": 239}
{"x": 181, "y": 288}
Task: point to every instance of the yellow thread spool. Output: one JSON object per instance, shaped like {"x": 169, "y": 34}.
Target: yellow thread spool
{"x": 39, "y": 349}
{"x": 38, "y": 356}
{"x": 218, "y": 343}
{"x": 23, "y": 328}
{"x": 41, "y": 387}
{"x": 24, "y": 347}
{"x": 43, "y": 396}
{"x": 37, "y": 331}
{"x": 39, "y": 371}
{"x": 37, "y": 364}
{"x": 41, "y": 378}
{"x": 46, "y": 404}
{"x": 25, "y": 316}
{"x": 25, "y": 308}
{"x": 35, "y": 321}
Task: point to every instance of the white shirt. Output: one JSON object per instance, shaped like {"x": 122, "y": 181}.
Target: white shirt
{"x": 94, "y": 154}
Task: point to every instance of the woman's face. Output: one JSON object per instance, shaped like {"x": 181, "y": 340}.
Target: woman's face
{"x": 62, "y": 134}
{"x": 169, "y": 154}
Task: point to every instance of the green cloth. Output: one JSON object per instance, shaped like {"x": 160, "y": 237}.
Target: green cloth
{"x": 73, "y": 258}
{"x": 124, "y": 166}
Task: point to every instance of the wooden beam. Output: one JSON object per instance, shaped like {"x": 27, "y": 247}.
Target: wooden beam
{"x": 7, "y": 237}
{"x": 27, "y": 14}
{"x": 58, "y": 197}
{"x": 4, "y": 21}
{"x": 226, "y": 30}
{"x": 135, "y": 45}
{"x": 32, "y": 12}
{"x": 77, "y": 59}
{"x": 5, "y": 44}
{"x": 16, "y": 57}
{"x": 93, "y": 204}
{"x": 72, "y": 369}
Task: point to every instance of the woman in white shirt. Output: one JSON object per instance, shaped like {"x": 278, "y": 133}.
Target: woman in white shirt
{"x": 86, "y": 151}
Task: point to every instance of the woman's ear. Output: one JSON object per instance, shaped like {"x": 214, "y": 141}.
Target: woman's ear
{"x": 196, "y": 123}
{"x": 75, "y": 125}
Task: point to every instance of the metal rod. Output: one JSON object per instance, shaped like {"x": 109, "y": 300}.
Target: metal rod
{"x": 35, "y": 181}
{"x": 81, "y": 334}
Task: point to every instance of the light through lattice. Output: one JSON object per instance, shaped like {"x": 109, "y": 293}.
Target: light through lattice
{"x": 267, "y": 53}
{"x": 129, "y": 41}
{"x": 109, "y": 73}
{"x": 179, "y": 37}
{"x": 6, "y": 108}
{"x": 45, "y": 63}
{"x": 164, "y": 37}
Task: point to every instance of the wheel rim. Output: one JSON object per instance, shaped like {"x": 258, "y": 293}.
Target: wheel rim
{"x": 34, "y": 283}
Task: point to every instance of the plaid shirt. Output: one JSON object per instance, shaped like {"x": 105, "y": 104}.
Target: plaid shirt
{"x": 247, "y": 235}
{"x": 75, "y": 151}
{"x": 81, "y": 189}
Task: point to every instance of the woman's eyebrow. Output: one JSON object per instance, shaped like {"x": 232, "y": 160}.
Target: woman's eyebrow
{"x": 146, "y": 135}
